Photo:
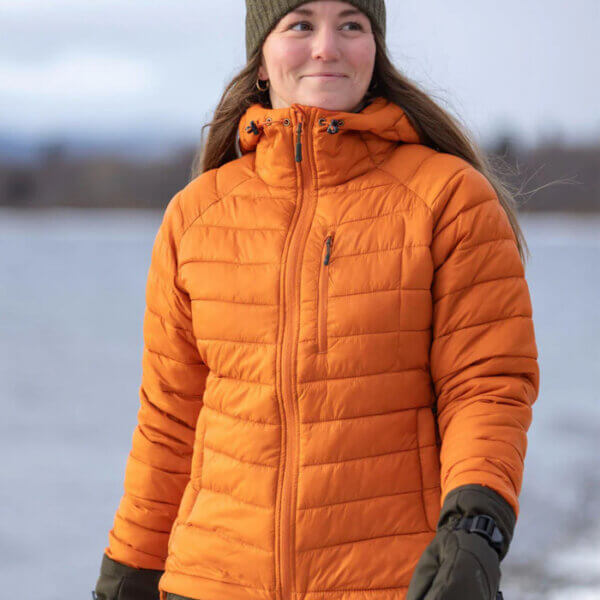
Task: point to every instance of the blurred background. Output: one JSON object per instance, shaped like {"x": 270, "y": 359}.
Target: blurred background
{"x": 101, "y": 106}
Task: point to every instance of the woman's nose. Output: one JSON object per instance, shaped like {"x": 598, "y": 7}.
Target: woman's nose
{"x": 325, "y": 44}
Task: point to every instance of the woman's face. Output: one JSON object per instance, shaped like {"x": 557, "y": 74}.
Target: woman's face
{"x": 319, "y": 37}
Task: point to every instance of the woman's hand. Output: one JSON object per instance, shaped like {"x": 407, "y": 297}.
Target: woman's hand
{"x": 122, "y": 582}
{"x": 457, "y": 565}
{"x": 460, "y": 564}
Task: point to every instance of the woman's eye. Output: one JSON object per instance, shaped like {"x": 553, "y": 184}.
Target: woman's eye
{"x": 358, "y": 25}
{"x": 299, "y": 23}
{"x": 354, "y": 23}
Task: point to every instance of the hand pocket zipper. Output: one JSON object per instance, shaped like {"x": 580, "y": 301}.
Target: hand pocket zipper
{"x": 438, "y": 439}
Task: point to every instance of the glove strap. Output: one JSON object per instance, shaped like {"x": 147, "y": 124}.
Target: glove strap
{"x": 485, "y": 526}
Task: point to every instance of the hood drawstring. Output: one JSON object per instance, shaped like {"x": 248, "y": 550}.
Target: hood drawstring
{"x": 255, "y": 127}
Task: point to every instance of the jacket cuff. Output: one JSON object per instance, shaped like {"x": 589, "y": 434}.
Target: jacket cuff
{"x": 122, "y": 582}
{"x": 474, "y": 499}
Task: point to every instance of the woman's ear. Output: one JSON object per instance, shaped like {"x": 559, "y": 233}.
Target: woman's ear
{"x": 262, "y": 67}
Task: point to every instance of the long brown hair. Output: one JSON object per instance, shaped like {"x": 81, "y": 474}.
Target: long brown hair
{"x": 437, "y": 128}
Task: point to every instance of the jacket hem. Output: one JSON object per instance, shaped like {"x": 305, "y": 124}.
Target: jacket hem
{"x": 196, "y": 587}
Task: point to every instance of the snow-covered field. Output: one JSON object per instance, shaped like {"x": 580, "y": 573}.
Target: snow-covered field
{"x": 71, "y": 307}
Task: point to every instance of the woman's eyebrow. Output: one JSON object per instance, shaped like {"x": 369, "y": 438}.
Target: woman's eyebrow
{"x": 343, "y": 13}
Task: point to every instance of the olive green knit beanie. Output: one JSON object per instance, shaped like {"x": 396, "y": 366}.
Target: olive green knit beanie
{"x": 263, "y": 15}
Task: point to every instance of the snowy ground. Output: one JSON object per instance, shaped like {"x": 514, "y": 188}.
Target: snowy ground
{"x": 71, "y": 306}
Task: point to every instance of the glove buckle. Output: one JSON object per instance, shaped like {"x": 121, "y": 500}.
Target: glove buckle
{"x": 483, "y": 525}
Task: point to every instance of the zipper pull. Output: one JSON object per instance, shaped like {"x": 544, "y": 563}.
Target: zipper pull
{"x": 328, "y": 242}
{"x": 299, "y": 143}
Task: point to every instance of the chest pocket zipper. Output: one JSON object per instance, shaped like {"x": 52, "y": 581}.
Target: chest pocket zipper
{"x": 323, "y": 293}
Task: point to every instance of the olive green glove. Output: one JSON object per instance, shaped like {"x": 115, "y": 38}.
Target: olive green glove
{"x": 459, "y": 564}
{"x": 121, "y": 582}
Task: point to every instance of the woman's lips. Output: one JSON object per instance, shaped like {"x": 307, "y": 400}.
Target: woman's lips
{"x": 326, "y": 76}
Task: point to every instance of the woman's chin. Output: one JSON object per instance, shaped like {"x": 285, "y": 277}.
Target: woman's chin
{"x": 329, "y": 99}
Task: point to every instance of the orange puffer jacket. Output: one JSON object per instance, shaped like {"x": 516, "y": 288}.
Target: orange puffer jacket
{"x": 310, "y": 305}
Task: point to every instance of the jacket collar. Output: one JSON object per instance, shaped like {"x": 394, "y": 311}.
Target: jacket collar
{"x": 335, "y": 145}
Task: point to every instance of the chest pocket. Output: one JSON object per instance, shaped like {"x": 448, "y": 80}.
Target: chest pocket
{"x": 358, "y": 294}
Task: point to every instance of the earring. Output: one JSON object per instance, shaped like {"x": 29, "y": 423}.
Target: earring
{"x": 260, "y": 88}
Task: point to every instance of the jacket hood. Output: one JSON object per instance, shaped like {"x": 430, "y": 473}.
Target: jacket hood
{"x": 338, "y": 145}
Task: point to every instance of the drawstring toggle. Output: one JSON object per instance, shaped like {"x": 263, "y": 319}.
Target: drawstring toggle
{"x": 252, "y": 128}
{"x": 334, "y": 126}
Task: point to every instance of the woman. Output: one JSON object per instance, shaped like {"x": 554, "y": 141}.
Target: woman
{"x": 339, "y": 361}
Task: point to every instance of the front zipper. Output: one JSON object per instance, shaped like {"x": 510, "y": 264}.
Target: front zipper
{"x": 285, "y": 549}
{"x": 298, "y": 156}
{"x": 322, "y": 295}
{"x": 287, "y": 505}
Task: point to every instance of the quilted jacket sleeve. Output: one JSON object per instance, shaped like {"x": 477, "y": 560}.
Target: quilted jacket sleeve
{"x": 483, "y": 354}
{"x": 172, "y": 386}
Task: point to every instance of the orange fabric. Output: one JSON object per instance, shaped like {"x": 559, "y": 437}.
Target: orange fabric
{"x": 308, "y": 305}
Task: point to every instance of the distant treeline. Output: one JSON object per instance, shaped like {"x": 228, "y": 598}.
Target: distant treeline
{"x": 548, "y": 177}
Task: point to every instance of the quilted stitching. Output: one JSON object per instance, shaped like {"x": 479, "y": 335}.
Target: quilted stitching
{"x": 330, "y": 456}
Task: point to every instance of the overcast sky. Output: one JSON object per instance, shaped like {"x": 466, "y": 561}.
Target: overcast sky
{"x": 121, "y": 68}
